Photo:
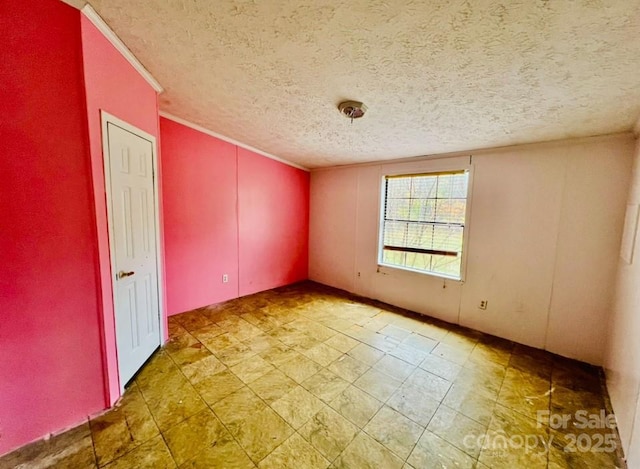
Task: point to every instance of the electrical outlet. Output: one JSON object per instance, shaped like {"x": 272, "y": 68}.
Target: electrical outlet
{"x": 225, "y": 278}
{"x": 483, "y": 304}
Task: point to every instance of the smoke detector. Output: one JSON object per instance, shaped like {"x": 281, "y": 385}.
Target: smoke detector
{"x": 352, "y": 109}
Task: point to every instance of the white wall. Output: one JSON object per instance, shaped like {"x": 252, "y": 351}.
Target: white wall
{"x": 622, "y": 362}
{"x": 545, "y": 230}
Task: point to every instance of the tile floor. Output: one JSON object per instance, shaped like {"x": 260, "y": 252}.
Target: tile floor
{"x": 308, "y": 377}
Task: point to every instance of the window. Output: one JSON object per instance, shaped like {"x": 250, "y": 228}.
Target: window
{"x": 423, "y": 222}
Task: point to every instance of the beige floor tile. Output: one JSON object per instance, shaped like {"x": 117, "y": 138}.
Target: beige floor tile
{"x": 225, "y": 454}
{"x": 193, "y": 320}
{"x": 261, "y": 343}
{"x": 252, "y": 369}
{"x": 320, "y": 332}
{"x": 295, "y": 453}
{"x": 440, "y": 367}
{"x": 329, "y": 432}
{"x": 420, "y": 342}
{"x": 278, "y": 354}
{"x": 366, "y": 453}
{"x": 411, "y": 402}
{"x": 572, "y": 451}
{"x": 153, "y": 454}
{"x": 457, "y": 429}
{"x": 297, "y": 406}
{"x": 524, "y": 392}
{"x": 322, "y": 354}
{"x": 297, "y": 339}
{"x": 325, "y": 385}
{"x": 375, "y": 323}
{"x": 299, "y": 368}
{"x": 409, "y": 354}
{"x": 194, "y": 435}
{"x": 452, "y": 353}
{"x": 431, "y": 330}
{"x": 356, "y": 405}
{"x": 378, "y": 384}
{"x": 565, "y": 400}
{"x": 208, "y": 333}
{"x": 465, "y": 383}
{"x": 366, "y": 354}
{"x": 348, "y": 368}
{"x": 533, "y": 383}
{"x": 433, "y": 452}
{"x": 179, "y": 338}
{"x": 238, "y": 406}
{"x": 341, "y": 342}
{"x": 535, "y": 360}
{"x": 261, "y": 320}
{"x": 173, "y": 402}
{"x": 506, "y": 423}
{"x": 379, "y": 341}
{"x": 217, "y": 342}
{"x": 127, "y": 426}
{"x": 70, "y": 449}
{"x": 431, "y": 385}
{"x": 218, "y": 386}
{"x": 242, "y": 330}
{"x": 235, "y": 354}
{"x": 156, "y": 372}
{"x": 261, "y": 433}
{"x": 272, "y": 386}
{"x": 485, "y": 383}
{"x": 482, "y": 353}
{"x": 395, "y": 332}
{"x": 395, "y": 367}
{"x": 470, "y": 402}
{"x": 526, "y": 401}
{"x": 203, "y": 368}
{"x": 395, "y": 431}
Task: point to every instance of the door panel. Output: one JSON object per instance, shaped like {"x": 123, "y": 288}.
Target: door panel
{"x": 133, "y": 229}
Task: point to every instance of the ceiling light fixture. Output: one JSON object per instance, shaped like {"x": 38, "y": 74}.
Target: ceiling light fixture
{"x": 352, "y": 109}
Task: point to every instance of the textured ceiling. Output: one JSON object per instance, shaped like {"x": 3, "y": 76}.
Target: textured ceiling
{"x": 437, "y": 75}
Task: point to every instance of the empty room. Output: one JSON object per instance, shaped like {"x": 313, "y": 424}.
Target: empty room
{"x": 317, "y": 234}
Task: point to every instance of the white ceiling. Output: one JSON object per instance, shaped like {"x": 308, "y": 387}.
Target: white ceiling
{"x": 437, "y": 75}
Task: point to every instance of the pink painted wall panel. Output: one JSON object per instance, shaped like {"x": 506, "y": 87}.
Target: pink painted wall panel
{"x": 201, "y": 230}
{"x": 114, "y": 86}
{"x": 228, "y": 211}
{"x": 50, "y": 355}
{"x": 273, "y": 206}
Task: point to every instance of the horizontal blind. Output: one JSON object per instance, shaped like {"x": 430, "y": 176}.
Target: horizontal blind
{"x": 424, "y": 217}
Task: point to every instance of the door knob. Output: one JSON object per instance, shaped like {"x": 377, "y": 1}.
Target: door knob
{"x": 123, "y": 274}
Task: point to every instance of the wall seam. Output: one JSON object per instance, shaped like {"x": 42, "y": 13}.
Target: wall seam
{"x": 237, "y": 222}
{"x": 555, "y": 257}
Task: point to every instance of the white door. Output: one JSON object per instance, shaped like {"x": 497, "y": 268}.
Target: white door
{"x": 134, "y": 255}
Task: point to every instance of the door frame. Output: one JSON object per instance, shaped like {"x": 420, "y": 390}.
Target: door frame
{"x": 106, "y": 119}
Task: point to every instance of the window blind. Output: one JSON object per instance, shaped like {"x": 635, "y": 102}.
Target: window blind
{"x": 424, "y": 221}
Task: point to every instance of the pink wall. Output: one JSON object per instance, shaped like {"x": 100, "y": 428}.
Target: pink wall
{"x": 273, "y": 206}
{"x": 228, "y": 211}
{"x": 112, "y": 85}
{"x": 50, "y": 355}
{"x": 201, "y": 235}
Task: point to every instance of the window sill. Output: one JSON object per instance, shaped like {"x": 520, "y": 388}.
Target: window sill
{"x": 387, "y": 269}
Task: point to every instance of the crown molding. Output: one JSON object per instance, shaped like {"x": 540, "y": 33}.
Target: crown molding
{"x": 488, "y": 150}
{"x": 104, "y": 28}
{"x": 211, "y": 133}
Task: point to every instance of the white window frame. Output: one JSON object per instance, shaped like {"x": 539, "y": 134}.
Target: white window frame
{"x": 425, "y": 170}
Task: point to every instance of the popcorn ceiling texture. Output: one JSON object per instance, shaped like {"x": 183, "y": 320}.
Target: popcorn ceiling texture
{"x": 437, "y": 76}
